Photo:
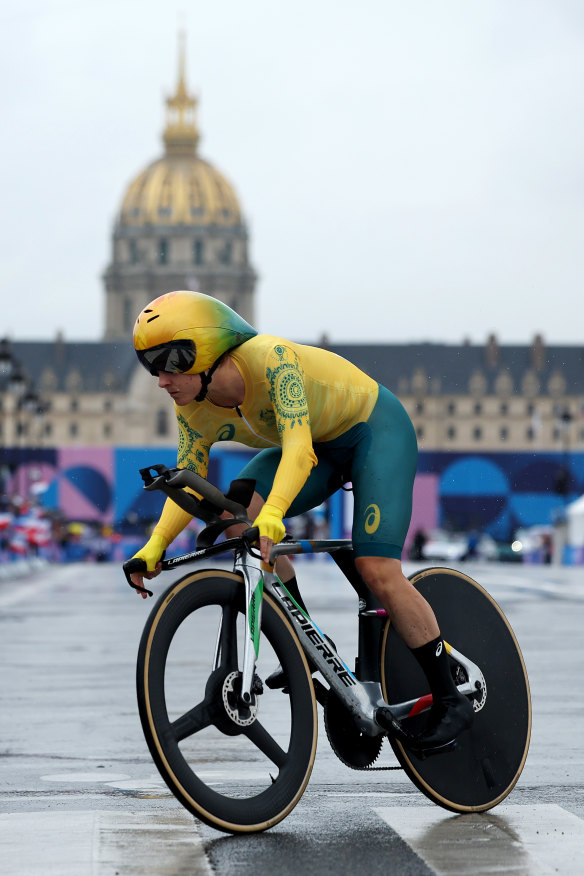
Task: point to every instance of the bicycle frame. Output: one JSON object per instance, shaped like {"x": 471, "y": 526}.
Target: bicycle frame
{"x": 361, "y": 697}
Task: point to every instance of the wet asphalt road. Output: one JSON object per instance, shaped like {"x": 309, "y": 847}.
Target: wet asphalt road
{"x": 79, "y": 793}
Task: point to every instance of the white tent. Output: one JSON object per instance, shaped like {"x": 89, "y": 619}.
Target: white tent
{"x": 575, "y": 517}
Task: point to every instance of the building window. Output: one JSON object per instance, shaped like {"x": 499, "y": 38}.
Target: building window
{"x": 162, "y": 422}
{"x": 503, "y": 433}
{"x": 478, "y": 409}
{"x": 73, "y": 430}
{"x": 226, "y": 253}
{"x": 419, "y": 407}
{"x": 477, "y": 433}
{"x": 420, "y": 432}
{"x": 74, "y": 381}
{"x": 74, "y": 405}
{"x": 107, "y": 430}
{"x": 107, "y": 405}
{"x": 451, "y": 433}
{"x": 48, "y": 429}
{"x": 451, "y": 408}
{"x": 504, "y": 409}
{"x": 530, "y": 433}
{"x": 163, "y": 252}
{"x": 134, "y": 253}
{"x": 198, "y": 252}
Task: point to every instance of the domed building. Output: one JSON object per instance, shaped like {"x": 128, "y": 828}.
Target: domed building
{"x": 180, "y": 226}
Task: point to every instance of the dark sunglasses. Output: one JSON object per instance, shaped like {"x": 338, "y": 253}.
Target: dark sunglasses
{"x": 174, "y": 357}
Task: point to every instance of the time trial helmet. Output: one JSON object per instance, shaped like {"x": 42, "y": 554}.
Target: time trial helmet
{"x": 187, "y": 332}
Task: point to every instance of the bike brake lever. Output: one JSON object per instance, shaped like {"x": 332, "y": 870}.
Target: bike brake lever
{"x": 250, "y": 537}
{"x": 135, "y": 564}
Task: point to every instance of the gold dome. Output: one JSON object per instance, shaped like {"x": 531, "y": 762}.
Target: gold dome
{"x": 180, "y": 188}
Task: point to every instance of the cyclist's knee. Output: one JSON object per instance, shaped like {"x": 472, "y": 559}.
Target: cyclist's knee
{"x": 254, "y": 508}
{"x": 381, "y": 574}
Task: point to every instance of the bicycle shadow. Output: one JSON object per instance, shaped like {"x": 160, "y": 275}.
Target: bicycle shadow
{"x": 321, "y": 845}
{"x": 438, "y": 843}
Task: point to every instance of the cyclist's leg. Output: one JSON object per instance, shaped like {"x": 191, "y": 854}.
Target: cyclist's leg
{"x": 383, "y": 470}
{"x": 415, "y": 622}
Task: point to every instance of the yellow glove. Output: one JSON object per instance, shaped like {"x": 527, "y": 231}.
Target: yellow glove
{"x": 152, "y": 551}
{"x": 269, "y": 523}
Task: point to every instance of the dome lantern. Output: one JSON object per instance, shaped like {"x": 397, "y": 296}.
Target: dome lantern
{"x": 181, "y": 134}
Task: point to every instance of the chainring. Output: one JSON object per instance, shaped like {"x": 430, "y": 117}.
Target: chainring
{"x": 354, "y": 748}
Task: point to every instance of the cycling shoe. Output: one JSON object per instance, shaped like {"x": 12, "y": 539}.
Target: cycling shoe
{"x": 448, "y": 718}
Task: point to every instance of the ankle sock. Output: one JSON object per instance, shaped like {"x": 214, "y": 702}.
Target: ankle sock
{"x": 433, "y": 659}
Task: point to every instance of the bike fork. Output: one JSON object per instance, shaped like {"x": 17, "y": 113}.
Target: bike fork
{"x": 253, "y": 578}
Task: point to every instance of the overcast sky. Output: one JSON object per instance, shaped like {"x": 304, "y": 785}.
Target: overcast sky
{"x": 409, "y": 169}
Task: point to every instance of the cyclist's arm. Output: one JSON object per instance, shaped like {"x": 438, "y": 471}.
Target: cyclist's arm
{"x": 285, "y": 381}
{"x": 193, "y": 453}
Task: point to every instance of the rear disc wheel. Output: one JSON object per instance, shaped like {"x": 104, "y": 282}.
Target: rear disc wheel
{"x": 489, "y": 757}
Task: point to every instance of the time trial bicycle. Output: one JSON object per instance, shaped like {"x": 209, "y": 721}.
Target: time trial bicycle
{"x": 214, "y": 637}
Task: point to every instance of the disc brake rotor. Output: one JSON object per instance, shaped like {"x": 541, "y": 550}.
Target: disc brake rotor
{"x": 241, "y": 716}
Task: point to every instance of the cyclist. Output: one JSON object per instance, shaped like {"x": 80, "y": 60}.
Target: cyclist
{"x": 318, "y": 421}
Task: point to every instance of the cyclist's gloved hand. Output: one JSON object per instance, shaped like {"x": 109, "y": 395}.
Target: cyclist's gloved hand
{"x": 269, "y": 523}
{"x": 152, "y": 551}
{"x": 151, "y": 554}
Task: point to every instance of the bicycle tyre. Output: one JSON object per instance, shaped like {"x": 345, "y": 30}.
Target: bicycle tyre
{"x": 488, "y": 759}
{"x": 172, "y": 678}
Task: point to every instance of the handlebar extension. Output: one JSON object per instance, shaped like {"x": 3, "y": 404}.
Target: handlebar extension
{"x": 173, "y": 481}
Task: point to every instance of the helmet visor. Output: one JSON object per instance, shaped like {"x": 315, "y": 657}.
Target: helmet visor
{"x": 174, "y": 357}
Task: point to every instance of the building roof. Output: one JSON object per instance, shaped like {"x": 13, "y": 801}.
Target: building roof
{"x": 85, "y": 366}
{"x": 450, "y": 367}
{"x": 430, "y": 368}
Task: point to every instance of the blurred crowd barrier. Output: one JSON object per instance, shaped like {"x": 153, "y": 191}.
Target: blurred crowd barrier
{"x": 32, "y": 536}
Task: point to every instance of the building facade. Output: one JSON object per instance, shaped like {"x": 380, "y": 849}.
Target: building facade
{"x": 501, "y": 437}
{"x": 461, "y": 398}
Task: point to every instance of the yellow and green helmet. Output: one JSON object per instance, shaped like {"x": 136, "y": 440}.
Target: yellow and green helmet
{"x": 187, "y": 332}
